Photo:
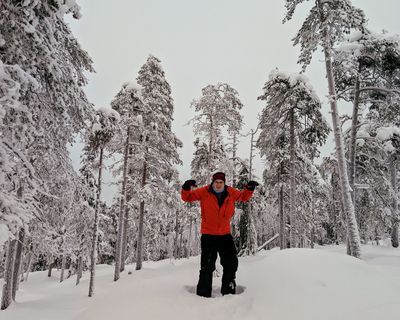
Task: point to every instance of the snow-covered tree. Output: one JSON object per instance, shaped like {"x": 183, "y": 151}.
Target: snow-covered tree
{"x": 292, "y": 124}
{"x": 364, "y": 64}
{"x": 101, "y": 133}
{"x": 128, "y": 103}
{"x": 217, "y": 109}
{"x": 159, "y": 144}
{"x": 366, "y": 72}
{"x": 326, "y": 24}
{"x": 335, "y": 226}
{"x": 43, "y": 105}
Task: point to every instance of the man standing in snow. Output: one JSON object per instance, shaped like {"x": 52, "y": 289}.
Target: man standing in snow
{"x": 217, "y": 202}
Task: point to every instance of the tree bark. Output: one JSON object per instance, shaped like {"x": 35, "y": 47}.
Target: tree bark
{"x": 395, "y": 206}
{"x": 63, "y": 260}
{"x": 292, "y": 190}
{"x": 124, "y": 240}
{"x": 118, "y": 245}
{"x": 210, "y": 158}
{"x": 353, "y": 134}
{"x": 251, "y": 237}
{"x": 176, "y": 234}
{"x": 17, "y": 262}
{"x": 79, "y": 269}
{"x": 28, "y": 268}
{"x": 8, "y": 275}
{"x": 234, "y": 150}
{"x": 139, "y": 257}
{"x": 282, "y": 227}
{"x": 93, "y": 256}
{"x": 354, "y": 237}
{"x": 189, "y": 238}
{"x": 125, "y": 234}
{"x": 180, "y": 243}
{"x": 196, "y": 238}
{"x": 251, "y": 246}
{"x": 51, "y": 265}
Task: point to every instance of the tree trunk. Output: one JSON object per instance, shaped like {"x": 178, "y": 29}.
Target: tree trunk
{"x": 79, "y": 269}
{"x": 189, "y": 238}
{"x": 353, "y": 134}
{"x": 141, "y": 220}
{"x": 253, "y": 132}
{"x": 51, "y": 265}
{"x": 312, "y": 231}
{"x": 292, "y": 191}
{"x": 93, "y": 256}
{"x": 354, "y": 237}
{"x": 124, "y": 240}
{"x": 234, "y": 150}
{"x": 7, "y": 298}
{"x": 28, "y": 268}
{"x": 17, "y": 262}
{"x": 63, "y": 260}
{"x": 251, "y": 236}
{"x": 312, "y": 237}
{"x": 210, "y": 152}
{"x": 282, "y": 227}
{"x": 395, "y": 206}
{"x": 196, "y": 238}
{"x": 335, "y": 208}
{"x": 118, "y": 245}
{"x": 180, "y": 243}
{"x": 124, "y": 251}
{"x": 79, "y": 262}
{"x": 176, "y": 234}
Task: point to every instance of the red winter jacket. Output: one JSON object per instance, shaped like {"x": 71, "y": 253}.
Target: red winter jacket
{"x": 214, "y": 219}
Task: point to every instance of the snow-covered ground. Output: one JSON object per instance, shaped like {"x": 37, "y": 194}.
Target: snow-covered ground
{"x": 291, "y": 284}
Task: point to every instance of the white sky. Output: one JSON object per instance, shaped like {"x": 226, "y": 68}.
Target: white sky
{"x": 200, "y": 43}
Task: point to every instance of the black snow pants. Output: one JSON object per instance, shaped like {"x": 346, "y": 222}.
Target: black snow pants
{"x": 211, "y": 245}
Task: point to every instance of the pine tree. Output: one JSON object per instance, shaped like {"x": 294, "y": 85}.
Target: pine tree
{"x": 325, "y": 25}
{"x": 102, "y": 131}
{"x": 335, "y": 226}
{"x": 218, "y": 108}
{"x": 43, "y": 105}
{"x": 128, "y": 103}
{"x": 158, "y": 143}
{"x": 367, "y": 68}
{"x": 293, "y": 104}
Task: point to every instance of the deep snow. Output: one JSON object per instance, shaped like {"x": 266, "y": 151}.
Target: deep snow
{"x": 291, "y": 284}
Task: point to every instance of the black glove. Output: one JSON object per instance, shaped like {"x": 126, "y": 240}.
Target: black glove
{"x": 188, "y": 184}
{"x": 251, "y": 185}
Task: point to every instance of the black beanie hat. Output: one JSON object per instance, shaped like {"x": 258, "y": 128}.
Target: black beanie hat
{"x": 218, "y": 176}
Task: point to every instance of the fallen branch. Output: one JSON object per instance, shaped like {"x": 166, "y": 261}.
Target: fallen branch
{"x": 268, "y": 242}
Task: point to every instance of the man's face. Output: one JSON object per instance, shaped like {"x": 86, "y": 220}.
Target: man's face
{"x": 219, "y": 185}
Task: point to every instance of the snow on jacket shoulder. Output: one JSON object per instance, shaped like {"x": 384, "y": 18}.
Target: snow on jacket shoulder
{"x": 214, "y": 219}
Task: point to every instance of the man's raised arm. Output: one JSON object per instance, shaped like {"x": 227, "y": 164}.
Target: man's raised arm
{"x": 189, "y": 195}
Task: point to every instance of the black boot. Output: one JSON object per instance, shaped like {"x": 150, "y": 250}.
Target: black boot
{"x": 204, "y": 286}
{"x": 228, "y": 288}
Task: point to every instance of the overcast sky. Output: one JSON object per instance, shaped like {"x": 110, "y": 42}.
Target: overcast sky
{"x": 200, "y": 43}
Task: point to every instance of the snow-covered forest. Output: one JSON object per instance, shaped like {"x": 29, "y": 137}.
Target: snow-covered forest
{"x": 56, "y": 224}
